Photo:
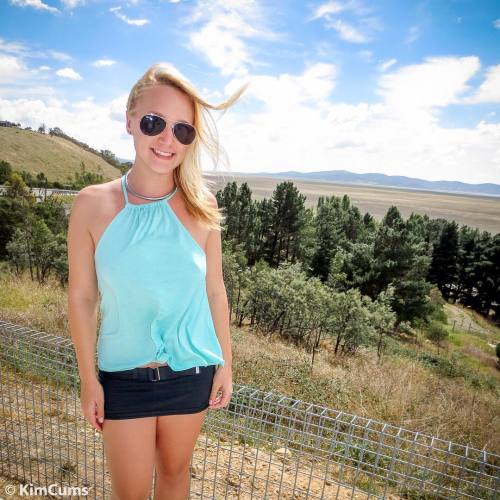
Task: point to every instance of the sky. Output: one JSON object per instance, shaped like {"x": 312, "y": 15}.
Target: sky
{"x": 396, "y": 87}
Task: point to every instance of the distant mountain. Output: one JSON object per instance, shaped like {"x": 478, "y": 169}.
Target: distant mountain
{"x": 382, "y": 180}
{"x": 124, "y": 160}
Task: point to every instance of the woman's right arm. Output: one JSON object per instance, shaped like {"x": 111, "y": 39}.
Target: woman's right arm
{"x": 83, "y": 301}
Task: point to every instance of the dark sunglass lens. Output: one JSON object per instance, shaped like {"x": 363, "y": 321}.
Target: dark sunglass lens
{"x": 152, "y": 125}
{"x": 185, "y": 133}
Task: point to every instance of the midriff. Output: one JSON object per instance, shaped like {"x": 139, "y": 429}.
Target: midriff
{"x": 152, "y": 365}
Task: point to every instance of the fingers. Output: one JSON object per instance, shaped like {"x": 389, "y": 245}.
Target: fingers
{"x": 221, "y": 400}
{"x": 100, "y": 414}
{"x": 94, "y": 414}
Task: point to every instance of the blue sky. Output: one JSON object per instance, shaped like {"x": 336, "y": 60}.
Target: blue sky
{"x": 397, "y": 87}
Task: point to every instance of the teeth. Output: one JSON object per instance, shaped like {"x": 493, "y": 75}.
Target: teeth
{"x": 161, "y": 153}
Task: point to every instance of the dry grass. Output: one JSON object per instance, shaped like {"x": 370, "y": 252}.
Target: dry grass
{"x": 41, "y": 307}
{"x": 56, "y": 157}
{"x": 400, "y": 391}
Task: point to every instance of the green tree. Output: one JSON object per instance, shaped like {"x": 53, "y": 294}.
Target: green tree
{"x": 33, "y": 246}
{"x": 5, "y": 171}
{"x": 437, "y": 333}
{"x": 443, "y": 270}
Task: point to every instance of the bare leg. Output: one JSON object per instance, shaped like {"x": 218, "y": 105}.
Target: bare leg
{"x": 129, "y": 446}
{"x": 176, "y": 437}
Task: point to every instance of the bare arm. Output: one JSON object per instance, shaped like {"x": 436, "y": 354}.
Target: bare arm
{"x": 216, "y": 292}
{"x": 82, "y": 286}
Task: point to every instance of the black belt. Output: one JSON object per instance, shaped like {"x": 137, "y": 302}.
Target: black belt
{"x": 150, "y": 374}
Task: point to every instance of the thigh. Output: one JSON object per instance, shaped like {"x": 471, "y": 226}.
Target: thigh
{"x": 176, "y": 437}
{"x": 129, "y": 446}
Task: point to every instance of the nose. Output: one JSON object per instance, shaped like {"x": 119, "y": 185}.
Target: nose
{"x": 167, "y": 135}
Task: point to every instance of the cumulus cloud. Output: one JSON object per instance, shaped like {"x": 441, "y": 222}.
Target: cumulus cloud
{"x": 19, "y": 78}
{"x": 11, "y": 68}
{"x": 220, "y": 32}
{"x": 293, "y": 131}
{"x": 68, "y": 73}
{"x": 489, "y": 90}
{"x": 435, "y": 83}
{"x": 313, "y": 86}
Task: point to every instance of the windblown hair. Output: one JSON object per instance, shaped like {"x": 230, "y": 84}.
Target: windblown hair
{"x": 188, "y": 176}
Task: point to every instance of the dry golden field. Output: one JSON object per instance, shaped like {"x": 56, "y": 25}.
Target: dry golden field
{"x": 482, "y": 212}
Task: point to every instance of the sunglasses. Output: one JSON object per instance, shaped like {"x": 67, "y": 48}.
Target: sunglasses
{"x": 153, "y": 125}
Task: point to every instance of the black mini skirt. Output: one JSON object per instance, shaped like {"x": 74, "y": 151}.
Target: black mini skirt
{"x": 147, "y": 392}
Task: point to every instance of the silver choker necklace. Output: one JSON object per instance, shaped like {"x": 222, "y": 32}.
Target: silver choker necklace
{"x": 150, "y": 198}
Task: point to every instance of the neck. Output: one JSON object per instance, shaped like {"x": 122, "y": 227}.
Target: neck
{"x": 150, "y": 183}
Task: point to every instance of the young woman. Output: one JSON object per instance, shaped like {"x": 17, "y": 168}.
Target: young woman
{"x": 149, "y": 243}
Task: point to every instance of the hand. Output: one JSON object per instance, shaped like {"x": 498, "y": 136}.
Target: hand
{"x": 223, "y": 382}
{"x": 92, "y": 403}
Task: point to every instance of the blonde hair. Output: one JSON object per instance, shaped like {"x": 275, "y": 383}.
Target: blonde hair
{"x": 188, "y": 176}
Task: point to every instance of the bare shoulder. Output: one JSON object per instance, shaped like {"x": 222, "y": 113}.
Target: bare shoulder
{"x": 94, "y": 205}
{"x": 100, "y": 192}
{"x": 212, "y": 199}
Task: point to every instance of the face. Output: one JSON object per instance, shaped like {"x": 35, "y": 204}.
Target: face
{"x": 172, "y": 105}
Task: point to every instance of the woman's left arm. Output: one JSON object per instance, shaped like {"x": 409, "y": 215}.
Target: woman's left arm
{"x": 219, "y": 307}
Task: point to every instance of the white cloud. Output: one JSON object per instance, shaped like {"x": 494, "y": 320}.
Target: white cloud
{"x": 224, "y": 26}
{"x": 497, "y": 24}
{"x": 100, "y": 63}
{"x": 423, "y": 88}
{"x": 367, "y": 25}
{"x": 385, "y": 65}
{"x": 20, "y": 49}
{"x": 85, "y": 120}
{"x": 35, "y": 4}
{"x": 347, "y": 32}
{"x": 328, "y": 8}
{"x": 313, "y": 86}
{"x": 489, "y": 90}
{"x": 68, "y": 73}
{"x": 17, "y": 48}
{"x": 19, "y": 80}
{"x": 11, "y": 68}
{"x": 304, "y": 132}
{"x": 125, "y": 19}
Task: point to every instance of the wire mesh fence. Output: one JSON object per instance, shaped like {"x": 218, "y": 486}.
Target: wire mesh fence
{"x": 262, "y": 446}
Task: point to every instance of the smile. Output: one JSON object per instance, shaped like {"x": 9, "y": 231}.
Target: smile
{"x": 162, "y": 154}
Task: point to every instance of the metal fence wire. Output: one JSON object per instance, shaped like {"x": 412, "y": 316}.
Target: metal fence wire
{"x": 262, "y": 446}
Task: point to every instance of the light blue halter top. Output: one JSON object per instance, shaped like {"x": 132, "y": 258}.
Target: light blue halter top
{"x": 154, "y": 306}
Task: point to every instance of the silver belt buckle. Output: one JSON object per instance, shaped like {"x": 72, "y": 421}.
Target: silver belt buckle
{"x": 157, "y": 368}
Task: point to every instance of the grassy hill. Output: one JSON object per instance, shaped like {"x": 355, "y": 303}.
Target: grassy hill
{"x": 56, "y": 157}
